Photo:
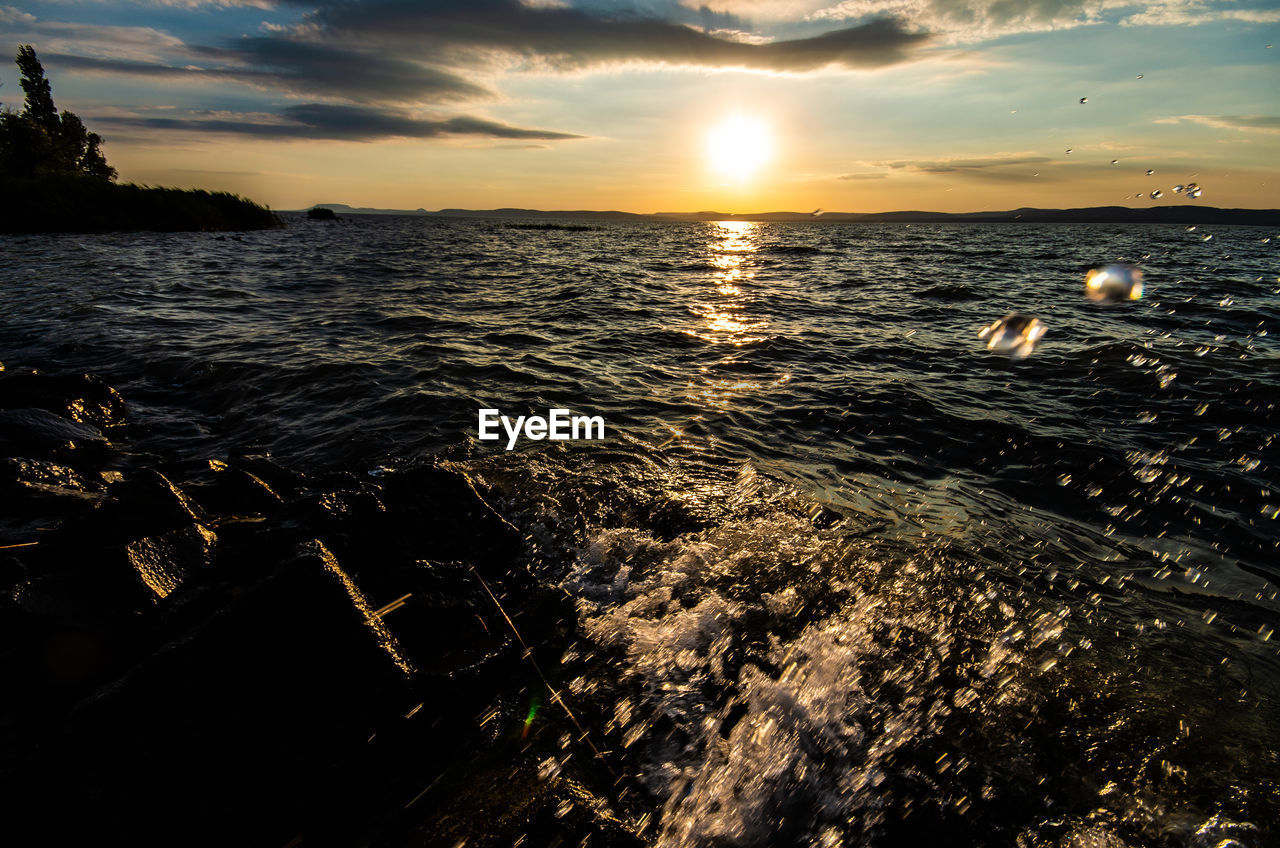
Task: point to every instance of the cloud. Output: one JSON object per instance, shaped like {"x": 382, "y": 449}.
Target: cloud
{"x": 15, "y": 17}
{"x": 967, "y": 21}
{"x": 972, "y": 20}
{"x": 333, "y": 122}
{"x": 998, "y": 168}
{"x": 1243, "y": 123}
{"x": 120, "y": 42}
{"x": 410, "y": 52}
{"x": 296, "y": 68}
{"x": 560, "y": 37}
{"x": 952, "y": 166}
{"x": 1196, "y": 12}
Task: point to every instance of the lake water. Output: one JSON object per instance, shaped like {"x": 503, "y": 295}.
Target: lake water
{"x": 841, "y": 574}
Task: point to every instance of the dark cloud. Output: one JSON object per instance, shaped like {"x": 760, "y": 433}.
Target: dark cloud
{"x": 568, "y": 37}
{"x": 954, "y": 166}
{"x": 408, "y": 52}
{"x": 300, "y": 68}
{"x": 1013, "y": 168}
{"x": 328, "y": 121}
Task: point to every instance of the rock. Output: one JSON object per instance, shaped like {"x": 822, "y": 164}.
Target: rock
{"x": 37, "y": 493}
{"x": 236, "y": 492}
{"x": 279, "y": 479}
{"x": 164, "y": 562}
{"x": 221, "y": 736}
{"x": 47, "y": 431}
{"x": 143, "y": 504}
{"x": 81, "y": 397}
{"x": 441, "y": 510}
{"x": 42, "y": 476}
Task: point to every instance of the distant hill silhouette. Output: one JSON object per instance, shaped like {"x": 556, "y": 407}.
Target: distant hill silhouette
{"x": 1180, "y": 214}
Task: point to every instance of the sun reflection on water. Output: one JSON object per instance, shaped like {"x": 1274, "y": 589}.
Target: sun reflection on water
{"x": 725, "y": 319}
{"x": 728, "y": 316}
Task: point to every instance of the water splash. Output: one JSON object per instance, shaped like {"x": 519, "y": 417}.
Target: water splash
{"x": 1014, "y": 334}
{"x": 1114, "y": 283}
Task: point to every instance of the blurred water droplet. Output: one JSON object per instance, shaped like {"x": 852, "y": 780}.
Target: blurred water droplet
{"x": 815, "y": 213}
{"x": 1157, "y": 194}
{"x": 1068, "y": 149}
{"x": 1139, "y": 76}
{"x": 1193, "y": 193}
{"x": 1139, "y": 194}
{"x": 1150, "y": 171}
{"x": 1084, "y": 100}
{"x": 1064, "y": 480}
{"x": 548, "y": 768}
{"x": 1113, "y": 283}
{"x": 1208, "y": 237}
{"x": 1191, "y": 229}
{"x": 1014, "y": 334}
{"x": 1178, "y": 189}
{"x": 1115, "y": 161}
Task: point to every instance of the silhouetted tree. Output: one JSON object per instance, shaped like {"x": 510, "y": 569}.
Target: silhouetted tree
{"x": 40, "y": 106}
{"x": 39, "y": 141}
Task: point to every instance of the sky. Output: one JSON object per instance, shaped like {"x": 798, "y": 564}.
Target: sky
{"x": 674, "y": 105}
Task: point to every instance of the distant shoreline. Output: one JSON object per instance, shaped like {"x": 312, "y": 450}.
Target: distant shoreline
{"x": 1087, "y": 215}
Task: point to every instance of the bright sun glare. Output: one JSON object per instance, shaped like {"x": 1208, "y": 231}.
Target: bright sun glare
{"x": 738, "y": 146}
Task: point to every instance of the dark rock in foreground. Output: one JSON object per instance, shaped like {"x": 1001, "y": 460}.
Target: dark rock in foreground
{"x": 246, "y": 708}
{"x": 182, "y": 675}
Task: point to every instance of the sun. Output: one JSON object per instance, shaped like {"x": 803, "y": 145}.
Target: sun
{"x": 738, "y": 146}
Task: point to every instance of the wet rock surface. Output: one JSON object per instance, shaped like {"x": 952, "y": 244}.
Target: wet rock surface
{"x": 229, "y": 651}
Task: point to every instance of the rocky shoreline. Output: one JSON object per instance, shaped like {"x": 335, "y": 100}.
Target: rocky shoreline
{"x": 229, "y": 651}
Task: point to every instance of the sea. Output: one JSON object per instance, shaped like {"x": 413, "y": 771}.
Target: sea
{"x": 840, "y": 572}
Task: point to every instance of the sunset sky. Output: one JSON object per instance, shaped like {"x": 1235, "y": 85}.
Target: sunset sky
{"x": 662, "y": 105}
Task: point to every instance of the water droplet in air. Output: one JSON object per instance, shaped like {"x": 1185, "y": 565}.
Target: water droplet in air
{"x": 1193, "y": 193}
{"x": 1139, "y": 194}
{"x": 1084, "y": 100}
{"x": 1115, "y": 161}
{"x": 1178, "y": 189}
{"x": 1113, "y": 283}
{"x": 1139, "y": 76}
{"x": 1014, "y": 334}
{"x": 1150, "y": 171}
{"x": 1068, "y": 149}
{"x": 1157, "y": 194}
{"x": 1208, "y": 237}
{"x": 815, "y": 213}
{"x": 1191, "y": 229}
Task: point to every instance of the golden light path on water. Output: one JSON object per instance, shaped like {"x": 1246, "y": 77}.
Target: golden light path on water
{"x": 730, "y": 317}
